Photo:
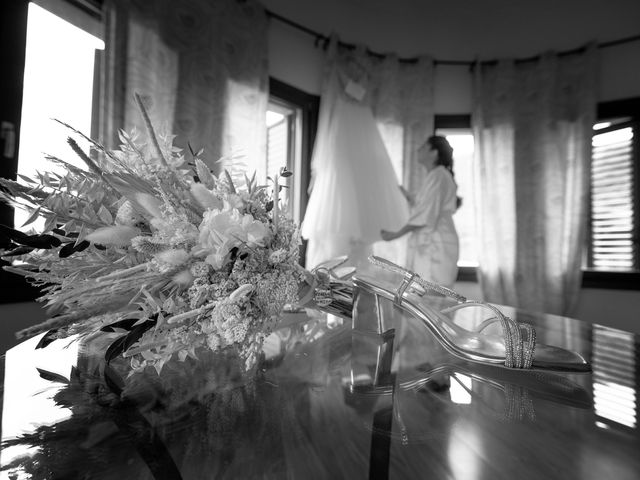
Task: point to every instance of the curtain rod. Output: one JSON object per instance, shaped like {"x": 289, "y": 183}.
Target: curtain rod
{"x": 324, "y": 39}
{"x": 92, "y": 7}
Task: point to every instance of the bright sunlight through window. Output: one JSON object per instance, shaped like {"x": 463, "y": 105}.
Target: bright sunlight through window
{"x": 462, "y": 142}
{"x": 58, "y": 83}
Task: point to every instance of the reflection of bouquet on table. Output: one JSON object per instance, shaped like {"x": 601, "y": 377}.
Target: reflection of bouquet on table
{"x": 198, "y": 419}
{"x": 147, "y": 241}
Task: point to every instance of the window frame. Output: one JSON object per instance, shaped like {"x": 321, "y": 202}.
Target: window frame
{"x": 14, "y": 21}
{"x": 623, "y": 280}
{"x": 309, "y": 107}
{"x": 13, "y": 288}
{"x": 441, "y": 121}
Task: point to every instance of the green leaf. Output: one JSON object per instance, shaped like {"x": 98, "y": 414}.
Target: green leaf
{"x": 232, "y": 187}
{"x": 51, "y": 376}
{"x": 33, "y": 217}
{"x": 81, "y": 234}
{"x": 123, "y": 343}
{"x": 204, "y": 174}
{"x": 113, "y": 380}
{"x": 26, "y": 179}
{"x": 47, "y": 338}
{"x": 115, "y": 349}
{"x": 105, "y": 215}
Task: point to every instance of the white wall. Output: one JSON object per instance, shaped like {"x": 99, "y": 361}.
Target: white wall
{"x": 295, "y": 60}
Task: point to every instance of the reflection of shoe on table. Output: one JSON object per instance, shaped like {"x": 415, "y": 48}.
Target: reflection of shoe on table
{"x": 371, "y": 357}
{"x": 504, "y": 393}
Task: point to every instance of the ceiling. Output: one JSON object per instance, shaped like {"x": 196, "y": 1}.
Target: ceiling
{"x": 466, "y": 29}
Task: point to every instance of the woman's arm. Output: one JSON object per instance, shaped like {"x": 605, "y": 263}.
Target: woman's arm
{"x": 388, "y": 236}
{"x": 407, "y": 195}
{"x": 427, "y": 208}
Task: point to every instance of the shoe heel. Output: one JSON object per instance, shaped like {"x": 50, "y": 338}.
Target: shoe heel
{"x": 372, "y": 339}
{"x": 372, "y": 313}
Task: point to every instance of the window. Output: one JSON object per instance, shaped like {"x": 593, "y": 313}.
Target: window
{"x": 457, "y": 130}
{"x": 613, "y": 252}
{"x": 613, "y": 232}
{"x": 283, "y": 151}
{"x": 461, "y": 139}
{"x": 49, "y": 51}
{"x": 612, "y": 212}
{"x": 292, "y": 118}
{"x": 54, "y": 45}
{"x": 612, "y": 258}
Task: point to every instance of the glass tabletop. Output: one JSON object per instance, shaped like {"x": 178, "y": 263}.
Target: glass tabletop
{"x": 325, "y": 402}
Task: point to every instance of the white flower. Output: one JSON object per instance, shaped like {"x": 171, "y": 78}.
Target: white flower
{"x": 254, "y": 229}
{"x": 277, "y": 256}
{"x": 174, "y": 230}
{"x": 215, "y": 260}
{"x": 233, "y": 201}
{"x": 173, "y": 256}
{"x": 222, "y": 230}
{"x": 205, "y": 197}
{"x": 183, "y": 278}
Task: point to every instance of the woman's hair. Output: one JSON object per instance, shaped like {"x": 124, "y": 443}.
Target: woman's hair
{"x": 444, "y": 149}
{"x": 445, "y": 156}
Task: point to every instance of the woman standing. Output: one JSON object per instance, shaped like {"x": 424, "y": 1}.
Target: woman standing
{"x": 433, "y": 242}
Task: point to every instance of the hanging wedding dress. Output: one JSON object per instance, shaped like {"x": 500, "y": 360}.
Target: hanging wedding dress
{"x": 355, "y": 190}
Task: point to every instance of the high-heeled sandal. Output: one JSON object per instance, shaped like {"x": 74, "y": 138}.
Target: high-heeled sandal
{"x": 515, "y": 348}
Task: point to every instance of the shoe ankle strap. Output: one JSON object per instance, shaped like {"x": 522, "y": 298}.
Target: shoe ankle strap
{"x": 407, "y": 280}
{"x": 412, "y": 277}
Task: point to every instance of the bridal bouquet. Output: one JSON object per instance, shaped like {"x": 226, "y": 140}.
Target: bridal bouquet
{"x": 148, "y": 242}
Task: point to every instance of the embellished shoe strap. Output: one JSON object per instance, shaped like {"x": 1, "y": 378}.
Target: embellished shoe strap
{"x": 519, "y": 338}
{"x": 411, "y": 277}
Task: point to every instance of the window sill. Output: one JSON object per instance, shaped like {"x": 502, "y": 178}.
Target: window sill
{"x": 467, "y": 274}
{"x": 590, "y": 279}
{"x": 611, "y": 280}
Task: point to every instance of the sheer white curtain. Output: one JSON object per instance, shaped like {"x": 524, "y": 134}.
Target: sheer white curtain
{"x": 201, "y": 68}
{"x": 402, "y": 102}
{"x": 532, "y": 125}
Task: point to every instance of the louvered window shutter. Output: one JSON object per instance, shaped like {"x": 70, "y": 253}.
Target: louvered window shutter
{"x": 613, "y": 217}
{"x": 614, "y": 364}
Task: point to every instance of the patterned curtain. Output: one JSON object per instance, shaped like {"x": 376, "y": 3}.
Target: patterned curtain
{"x": 200, "y": 67}
{"x": 402, "y": 103}
{"x": 532, "y": 126}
